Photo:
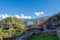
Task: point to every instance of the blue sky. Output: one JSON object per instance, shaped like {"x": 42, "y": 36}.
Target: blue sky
{"x": 29, "y": 7}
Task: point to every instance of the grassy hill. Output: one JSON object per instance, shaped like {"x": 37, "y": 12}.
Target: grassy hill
{"x": 55, "y": 18}
{"x": 11, "y": 24}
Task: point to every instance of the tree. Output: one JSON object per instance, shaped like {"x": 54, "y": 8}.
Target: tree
{"x": 55, "y": 18}
{"x": 11, "y": 30}
{"x": 12, "y": 24}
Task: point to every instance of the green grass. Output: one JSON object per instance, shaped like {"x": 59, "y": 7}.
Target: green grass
{"x": 18, "y": 33}
{"x": 43, "y": 37}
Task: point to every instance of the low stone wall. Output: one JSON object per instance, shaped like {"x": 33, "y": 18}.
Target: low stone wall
{"x": 29, "y": 33}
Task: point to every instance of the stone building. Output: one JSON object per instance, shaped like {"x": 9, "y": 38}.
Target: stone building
{"x": 39, "y": 22}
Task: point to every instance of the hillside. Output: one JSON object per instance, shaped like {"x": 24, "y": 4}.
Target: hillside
{"x": 55, "y": 18}
{"x": 11, "y": 25}
{"x": 11, "y": 22}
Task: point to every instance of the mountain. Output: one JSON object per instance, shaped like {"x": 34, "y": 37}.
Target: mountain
{"x": 26, "y": 21}
{"x": 11, "y": 25}
{"x": 11, "y": 22}
{"x": 55, "y": 18}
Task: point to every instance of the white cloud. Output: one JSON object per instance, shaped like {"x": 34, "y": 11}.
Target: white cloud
{"x": 4, "y": 16}
{"x": 25, "y": 17}
{"x": 22, "y": 16}
{"x": 42, "y": 12}
{"x": 17, "y": 16}
{"x": 29, "y": 17}
{"x": 38, "y": 13}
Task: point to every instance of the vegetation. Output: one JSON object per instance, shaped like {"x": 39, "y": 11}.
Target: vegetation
{"x": 10, "y": 25}
{"x": 43, "y": 37}
{"x": 55, "y": 18}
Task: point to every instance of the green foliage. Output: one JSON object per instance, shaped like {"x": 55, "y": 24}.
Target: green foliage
{"x": 43, "y": 37}
{"x": 0, "y": 31}
{"x": 12, "y": 24}
{"x": 55, "y": 18}
{"x": 11, "y": 30}
{"x": 17, "y": 33}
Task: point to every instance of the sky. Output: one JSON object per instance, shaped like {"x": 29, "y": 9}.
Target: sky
{"x": 28, "y": 8}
